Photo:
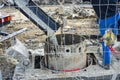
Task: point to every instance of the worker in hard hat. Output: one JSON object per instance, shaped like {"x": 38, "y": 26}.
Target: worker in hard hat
{"x": 108, "y": 17}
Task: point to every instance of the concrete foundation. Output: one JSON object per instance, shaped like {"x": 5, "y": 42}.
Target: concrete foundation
{"x": 70, "y": 55}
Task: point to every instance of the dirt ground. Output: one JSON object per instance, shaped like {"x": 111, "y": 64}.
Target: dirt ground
{"x": 32, "y": 37}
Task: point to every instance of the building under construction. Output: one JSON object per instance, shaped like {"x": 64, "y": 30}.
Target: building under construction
{"x": 53, "y": 40}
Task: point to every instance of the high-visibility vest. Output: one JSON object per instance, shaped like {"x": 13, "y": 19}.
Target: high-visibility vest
{"x": 109, "y": 38}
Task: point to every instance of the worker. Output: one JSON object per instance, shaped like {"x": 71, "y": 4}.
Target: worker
{"x": 108, "y": 16}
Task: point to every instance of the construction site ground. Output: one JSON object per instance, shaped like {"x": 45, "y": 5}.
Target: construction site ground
{"x": 31, "y": 38}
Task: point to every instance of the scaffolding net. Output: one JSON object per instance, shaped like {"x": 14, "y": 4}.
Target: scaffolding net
{"x": 59, "y": 40}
